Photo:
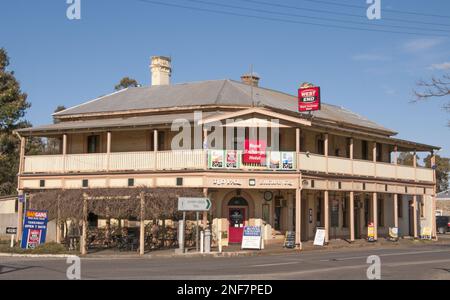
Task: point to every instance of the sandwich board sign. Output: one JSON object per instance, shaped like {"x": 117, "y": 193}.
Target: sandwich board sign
{"x": 193, "y": 204}
{"x": 319, "y": 239}
{"x": 251, "y": 238}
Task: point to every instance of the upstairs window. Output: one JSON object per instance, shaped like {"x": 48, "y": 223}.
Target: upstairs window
{"x": 364, "y": 150}
{"x": 93, "y": 144}
{"x": 320, "y": 146}
{"x": 379, "y": 152}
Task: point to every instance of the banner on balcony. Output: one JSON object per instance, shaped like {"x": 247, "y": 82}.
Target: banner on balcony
{"x": 255, "y": 152}
{"x": 34, "y": 229}
{"x": 308, "y": 98}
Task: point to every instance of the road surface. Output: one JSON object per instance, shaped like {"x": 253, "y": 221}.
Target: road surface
{"x": 421, "y": 262}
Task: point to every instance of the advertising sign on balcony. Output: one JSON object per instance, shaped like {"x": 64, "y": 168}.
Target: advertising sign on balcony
{"x": 216, "y": 158}
{"x": 232, "y": 159}
{"x": 281, "y": 160}
{"x": 308, "y": 98}
{"x": 287, "y": 159}
{"x": 255, "y": 152}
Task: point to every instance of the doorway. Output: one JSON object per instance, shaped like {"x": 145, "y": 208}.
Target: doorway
{"x": 237, "y": 214}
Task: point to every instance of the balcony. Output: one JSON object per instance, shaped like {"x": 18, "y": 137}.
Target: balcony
{"x": 181, "y": 160}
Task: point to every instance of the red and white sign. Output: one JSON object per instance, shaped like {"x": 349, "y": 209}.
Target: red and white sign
{"x": 309, "y": 98}
{"x": 255, "y": 152}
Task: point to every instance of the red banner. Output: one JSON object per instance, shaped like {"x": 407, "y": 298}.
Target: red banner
{"x": 255, "y": 152}
{"x": 309, "y": 98}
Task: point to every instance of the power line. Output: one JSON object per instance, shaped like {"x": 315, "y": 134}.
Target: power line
{"x": 314, "y": 18}
{"x": 341, "y": 13}
{"x": 283, "y": 20}
{"x": 384, "y": 9}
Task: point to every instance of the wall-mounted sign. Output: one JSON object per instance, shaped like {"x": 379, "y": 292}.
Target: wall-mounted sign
{"x": 34, "y": 229}
{"x": 251, "y": 238}
{"x": 309, "y": 98}
{"x": 255, "y": 152}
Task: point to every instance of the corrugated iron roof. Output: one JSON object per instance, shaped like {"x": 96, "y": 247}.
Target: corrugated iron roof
{"x": 214, "y": 92}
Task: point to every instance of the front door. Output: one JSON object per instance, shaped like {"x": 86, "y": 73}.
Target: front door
{"x": 236, "y": 217}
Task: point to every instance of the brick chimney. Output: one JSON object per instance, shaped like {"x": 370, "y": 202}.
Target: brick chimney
{"x": 250, "y": 79}
{"x": 161, "y": 70}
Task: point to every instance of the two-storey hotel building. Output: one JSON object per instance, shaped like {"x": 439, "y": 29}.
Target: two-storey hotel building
{"x": 334, "y": 168}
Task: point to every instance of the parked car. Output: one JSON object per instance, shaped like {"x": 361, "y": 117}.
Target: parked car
{"x": 443, "y": 224}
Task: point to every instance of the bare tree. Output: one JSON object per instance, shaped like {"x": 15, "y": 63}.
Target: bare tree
{"x": 437, "y": 87}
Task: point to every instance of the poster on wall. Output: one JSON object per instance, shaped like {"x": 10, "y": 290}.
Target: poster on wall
{"x": 308, "y": 98}
{"x": 216, "y": 159}
{"x": 34, "y": 229}
{"x": 251, "y": 238}
{"x": 255, "y": 152}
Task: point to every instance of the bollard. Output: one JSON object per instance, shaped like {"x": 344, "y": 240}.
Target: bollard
{"x": 181, "y": 236}
{"x": 207, "y": 241}
{"x": 202, "y": 240}
{"x": 12, "y": 241}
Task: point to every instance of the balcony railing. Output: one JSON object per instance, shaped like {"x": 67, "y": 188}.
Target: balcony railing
{"x": 345, "y": 166}
{"x": 283, "y": 161}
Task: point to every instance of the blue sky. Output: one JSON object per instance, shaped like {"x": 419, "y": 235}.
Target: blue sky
{"x": 59, "y": 61}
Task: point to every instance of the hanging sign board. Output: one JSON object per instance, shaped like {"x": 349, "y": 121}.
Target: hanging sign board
{"x": 251, "y": 238}
{"x": 309, "y": 98}
{"x": 319, "y": 239}
{"x": 34, "y": 229}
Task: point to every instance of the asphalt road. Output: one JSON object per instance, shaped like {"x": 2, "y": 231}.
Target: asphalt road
{"x": 422, "y": 262}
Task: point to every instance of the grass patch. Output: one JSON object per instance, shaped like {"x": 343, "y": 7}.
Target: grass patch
{"x": 47, "y": 248}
